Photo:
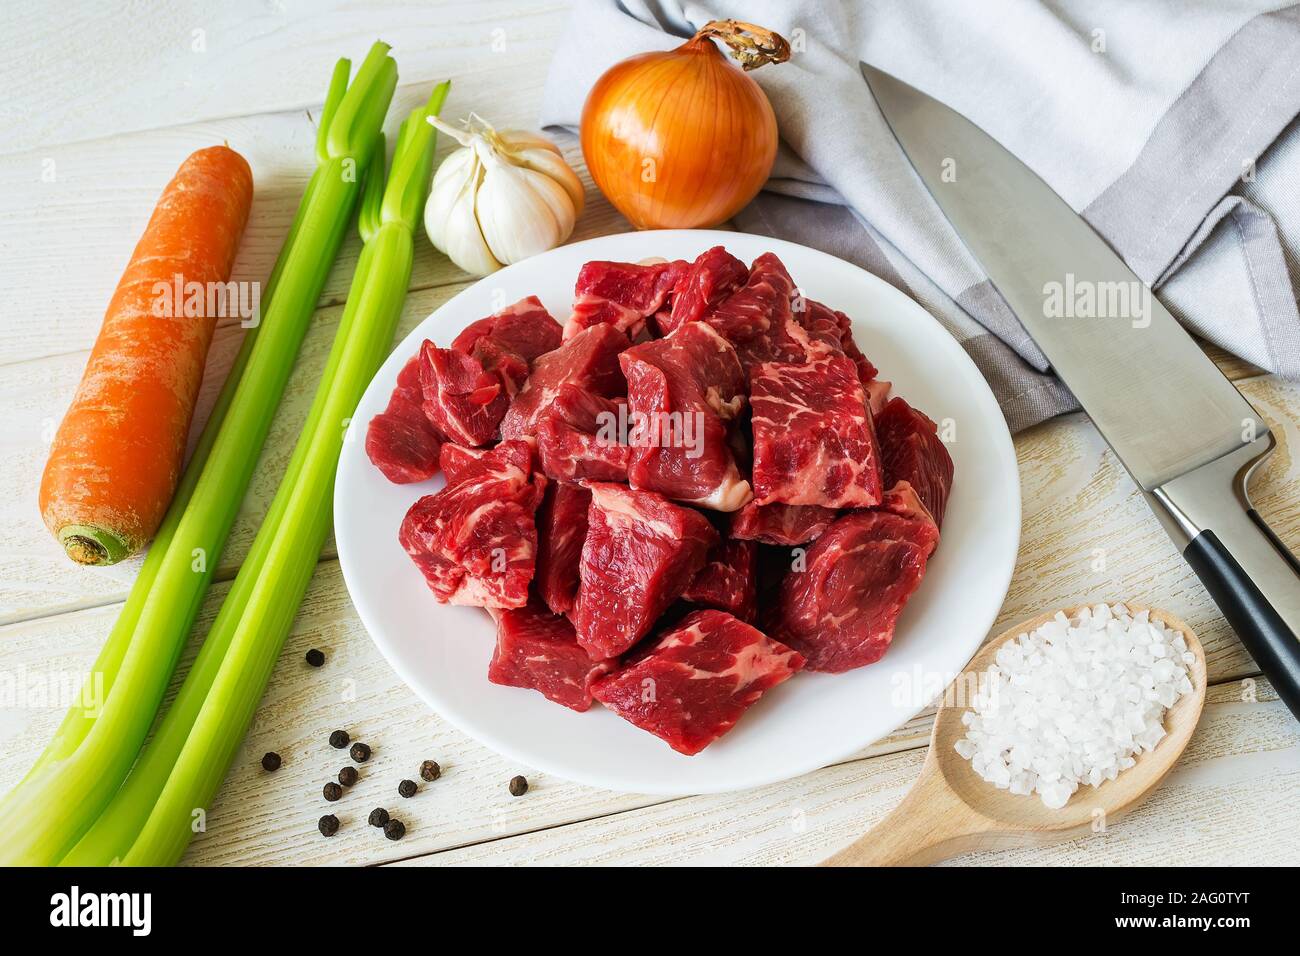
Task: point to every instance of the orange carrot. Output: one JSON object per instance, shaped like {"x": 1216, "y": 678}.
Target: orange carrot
{"x": 117, "y": 456}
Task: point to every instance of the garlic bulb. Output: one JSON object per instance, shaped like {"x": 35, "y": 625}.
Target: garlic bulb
{"x": 502, "y": 197}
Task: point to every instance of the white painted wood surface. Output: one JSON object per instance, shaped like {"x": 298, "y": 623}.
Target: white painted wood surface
{"x": 110, "y": 98}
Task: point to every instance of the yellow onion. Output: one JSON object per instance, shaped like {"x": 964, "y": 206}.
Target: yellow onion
{"x": 682, "y": 139}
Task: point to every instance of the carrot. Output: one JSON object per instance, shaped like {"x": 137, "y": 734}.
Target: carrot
{"x": 117, "y": 455}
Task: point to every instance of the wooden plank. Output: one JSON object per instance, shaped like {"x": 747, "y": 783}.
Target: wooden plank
{"x": 1242, "y": 765}
{"x": 97, "y": 70}
{"x": 66, "y": 241}
{"x": 262, "y": 819}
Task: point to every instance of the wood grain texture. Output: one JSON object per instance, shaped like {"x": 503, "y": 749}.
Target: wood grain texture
{"x": 151, "y": 65}
{"x": 1241, "y": 766}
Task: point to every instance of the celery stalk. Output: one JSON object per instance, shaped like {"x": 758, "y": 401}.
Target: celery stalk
{"x": 50, "y": 810}
{"x": 292, "y": 544}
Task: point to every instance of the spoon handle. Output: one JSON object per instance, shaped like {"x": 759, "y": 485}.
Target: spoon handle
{"x": 931, "y": 824}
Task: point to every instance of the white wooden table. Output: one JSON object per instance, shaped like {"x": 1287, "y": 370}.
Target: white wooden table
{"x": 102, "y": 105}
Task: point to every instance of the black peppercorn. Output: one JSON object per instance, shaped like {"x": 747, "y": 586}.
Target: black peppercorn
{"x": 430, "y": 771}
{"x": 315, "y": 658}
{"x": 271, "y": 761}
{"x": 406, "y": 788}
{"x": 332, "y": 791}
{"x": 394, "y": 829}
{"x": 378, "y": 817}
{"x": 518, "y": 786}
{"x": 328, "y": 825}
{"x": 349, "y": 776}
{"x": 339, "y": 739}
{"x": 360, "y": 752}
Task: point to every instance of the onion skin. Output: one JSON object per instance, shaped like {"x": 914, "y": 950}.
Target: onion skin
{"x": 679, "y": 139}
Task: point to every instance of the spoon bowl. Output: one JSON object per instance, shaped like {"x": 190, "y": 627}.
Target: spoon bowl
{"x": 952, "y": 810}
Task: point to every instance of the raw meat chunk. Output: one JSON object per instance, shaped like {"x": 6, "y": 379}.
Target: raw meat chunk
{"x": 468, "y": 388}
{"x": 589, "y": 361}
{"x": 400, "y": 441}
{"x": 621, "y": 294}
{"x": 713, "y": 276}
{"x": 525, "y": 329}
{"x": 813, "y": 439}
{"x": 834, "y": 328}
{"x": 640, "y": 554}
{"x": 781, "y": 524}
{"x": 911, "y": 451}
{"x": 578, "y": 437}
{"x": 840, "y": 610}
{"x": 729, "y": 579}
{"x": 475, "y": 541}
{"x": 681, "y": 392}
{"x": 561, "y": 531}
{"x": 902, "y": 500}
{"x": 459, "y": 463}
{"x": 758, "y": 319}
{"x": 697, "y": 680}
{"x": 463, "y": 401}
{"x": 538, "y": 650}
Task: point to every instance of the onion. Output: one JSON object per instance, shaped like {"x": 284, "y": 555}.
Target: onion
{"x": 682, "y": 139}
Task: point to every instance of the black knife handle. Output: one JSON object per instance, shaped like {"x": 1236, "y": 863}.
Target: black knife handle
{"x": 1273, "y": 645}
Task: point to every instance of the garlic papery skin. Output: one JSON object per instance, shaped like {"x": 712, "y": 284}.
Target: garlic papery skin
{"x": 501, "y": 197}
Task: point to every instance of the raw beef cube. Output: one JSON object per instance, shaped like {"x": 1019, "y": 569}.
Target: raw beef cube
{"x": 561, "y": 531}
{"x": 866, "y": 371}
{"x": 589, "y": 360}
{"x": 459, "y": 463}
{"x": 462, "y": 400}
{"x": 781, "y": 524}
{"x": 640, "y": 554}
{"x": 681, "y": 392}
{"x": 697, "y": 680}
{"x": 911, "y": 451}
{"x": 621, "y": 294}
{"x": 813, "y": 439}
{"x": 729, "y": 579}
{"x": 840, "y": 610}
{"x": 539, "y": 650}
{"x": 902, "y": 500}
{"x": 475, "y": 541}
{"x": 400, "y": 441}
{"x": 578, "y": 437}
{"x": 403, "y": 451}
{"x": 468, "y": 388}
{"x": 525, "y": 329}
{"x": 820, "y": 322}
{"x": 834, "y": 328}
{"x": 758, "y": 318}
{"x": 710, "y": 279}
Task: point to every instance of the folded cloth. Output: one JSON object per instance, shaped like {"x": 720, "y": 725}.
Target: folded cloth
{"x": 1170, "y": 126}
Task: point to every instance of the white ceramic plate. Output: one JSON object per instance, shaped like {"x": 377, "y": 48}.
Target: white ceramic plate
{"x": 442, "y": 652}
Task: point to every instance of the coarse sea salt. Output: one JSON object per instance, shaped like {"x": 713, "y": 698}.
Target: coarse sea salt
{"x": 1074, "y": 702}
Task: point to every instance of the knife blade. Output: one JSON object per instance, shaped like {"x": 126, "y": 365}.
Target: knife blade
{"x": 1160, "y": 403}
{"x": 1185, "y": 434}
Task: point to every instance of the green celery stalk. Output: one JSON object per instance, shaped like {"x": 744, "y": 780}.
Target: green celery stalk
{"x": 288, "y": 550}
{"x": 93, "y": 754}
{"x": 111, "y": 835}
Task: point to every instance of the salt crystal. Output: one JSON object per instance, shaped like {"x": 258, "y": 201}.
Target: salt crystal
{"x": 1074, "y": 701}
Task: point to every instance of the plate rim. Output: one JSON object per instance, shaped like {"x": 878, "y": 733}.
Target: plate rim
{"x": 577, "y": 774}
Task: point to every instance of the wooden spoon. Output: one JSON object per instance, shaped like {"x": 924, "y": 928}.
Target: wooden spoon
{"x": 951, "y": 810}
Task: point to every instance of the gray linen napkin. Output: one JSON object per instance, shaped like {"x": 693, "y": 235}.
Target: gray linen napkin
{"x": 1170, "y": 126}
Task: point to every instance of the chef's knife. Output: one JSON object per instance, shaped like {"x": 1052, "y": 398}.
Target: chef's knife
{"x": 1186, "y": 435}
